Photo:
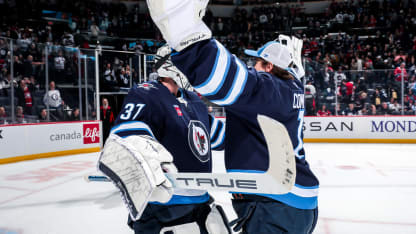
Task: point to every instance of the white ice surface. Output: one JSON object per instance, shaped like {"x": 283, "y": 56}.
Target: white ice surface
{"x": 365, "y": 188}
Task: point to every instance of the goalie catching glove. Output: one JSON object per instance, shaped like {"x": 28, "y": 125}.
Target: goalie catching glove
{"x": 136, "y": 165}
{"x": 180, "y": 21}
{"x": 294, "y": 45}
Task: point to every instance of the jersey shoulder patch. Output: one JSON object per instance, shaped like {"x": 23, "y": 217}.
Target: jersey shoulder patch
{"x": 147, "y": 85}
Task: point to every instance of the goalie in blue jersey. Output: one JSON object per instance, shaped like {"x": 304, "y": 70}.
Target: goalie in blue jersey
{"x": 164, "y": 127}
{"x": 272, "y": 88}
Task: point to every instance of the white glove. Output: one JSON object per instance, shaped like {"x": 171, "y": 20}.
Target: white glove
{"x": 297, "y": 45}
{"x": 294, "y": 46}
{"x": 180, "y": 21}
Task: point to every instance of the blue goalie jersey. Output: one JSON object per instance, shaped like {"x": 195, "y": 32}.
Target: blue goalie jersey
{"x": 225, "y": 80}
{"x": 181, "y": 124}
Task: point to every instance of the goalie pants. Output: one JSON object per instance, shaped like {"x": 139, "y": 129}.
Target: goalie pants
{"x": 155, "y": 217}
{"x": 257, "y": 214}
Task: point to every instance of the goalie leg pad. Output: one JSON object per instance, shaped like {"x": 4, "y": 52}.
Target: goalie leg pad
{"x": 129, "y": 172}
{"x": 182, "y": 229}
{"x": 217, "y": 222}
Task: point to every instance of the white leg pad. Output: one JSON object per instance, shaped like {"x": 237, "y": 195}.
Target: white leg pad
{"x": 186, "y": 228}
{"x": 217, "y": 222}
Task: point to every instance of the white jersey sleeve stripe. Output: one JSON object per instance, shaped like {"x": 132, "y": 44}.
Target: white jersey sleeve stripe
{"x": 218, "y": 73}
{"x": 132, "y": 125}
{"x": 220, "y": 138}
{"x": 214, "y": 126}
{"x": 238, "y": 85}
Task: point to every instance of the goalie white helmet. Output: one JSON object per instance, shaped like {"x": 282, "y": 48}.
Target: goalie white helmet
{"x": 284, "y": 52}
{"x": 165, "y": 68}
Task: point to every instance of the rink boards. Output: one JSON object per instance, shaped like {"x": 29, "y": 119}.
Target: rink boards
{"x": 360, "y": 129}
{"x": 31, "y": 141}
{"x": 41, "y": 140}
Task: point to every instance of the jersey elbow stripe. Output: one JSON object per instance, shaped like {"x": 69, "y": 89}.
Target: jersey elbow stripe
{"x": 220, "y": 139}
{"x": 237, "y": 87}
{"x": 218, "y": 73}
{"x": 215, "y": 126}
{"x": 132, "y": 126}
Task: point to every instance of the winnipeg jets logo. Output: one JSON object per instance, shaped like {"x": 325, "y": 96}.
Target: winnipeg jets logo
{"x": 198, "y": 140}
{"x": 201, "y": 141}
{"x": 146, "y": 86}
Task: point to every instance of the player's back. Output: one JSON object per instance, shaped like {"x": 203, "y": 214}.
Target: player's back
{"x": 151, "y": 109}
{"x": 279, "y": 99}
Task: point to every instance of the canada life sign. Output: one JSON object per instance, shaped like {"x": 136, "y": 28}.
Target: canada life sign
{"x": 49, "y": 139}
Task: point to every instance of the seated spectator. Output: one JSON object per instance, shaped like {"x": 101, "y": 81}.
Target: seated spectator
{"x": 53, "y": 99}
{"x": 350, "y": 110}
{"x": 43, "y": 115}
{"x": 395, "y": 107}
{"x": 68, "y": 39}
{"x": 25, "y": 95}
{"x": 3, "y": 115}
{"x": 411, "y": 107}
{"x": 378, "y": 98}
{"x": 384, "y": 109}
{"x": 323, "y": 111}
{"x": 360, "y": 101}
{"x": 20, "y": 117}
{"x": 75, "y": 115}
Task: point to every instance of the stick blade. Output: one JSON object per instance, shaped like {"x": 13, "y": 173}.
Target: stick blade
{"x": 282, "y": 161}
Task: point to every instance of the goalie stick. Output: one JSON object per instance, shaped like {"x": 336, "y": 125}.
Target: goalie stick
{"x": 278, "y": 179}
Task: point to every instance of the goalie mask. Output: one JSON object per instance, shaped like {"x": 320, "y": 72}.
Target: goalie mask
{"x": 165, "y": 68}
{"x": 284, "y": 52}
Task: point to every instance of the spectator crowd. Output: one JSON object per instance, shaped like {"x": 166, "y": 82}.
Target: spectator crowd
{"x": 359, "y": 54}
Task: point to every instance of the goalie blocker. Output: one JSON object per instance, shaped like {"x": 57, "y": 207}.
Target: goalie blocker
{"x": 134, "y": 165}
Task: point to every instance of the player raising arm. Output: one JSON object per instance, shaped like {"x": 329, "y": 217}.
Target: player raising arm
{"x": 271, "y": 88}
{"x": 163, "y": 127}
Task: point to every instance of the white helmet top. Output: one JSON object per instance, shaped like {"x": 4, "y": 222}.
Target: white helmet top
{"x": 284, "y": 52}
{"x": 165, "y": 68}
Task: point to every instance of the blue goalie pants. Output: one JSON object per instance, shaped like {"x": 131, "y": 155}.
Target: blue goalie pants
{"x": 257, "y": 214}
{"x": 155, "y": 217}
